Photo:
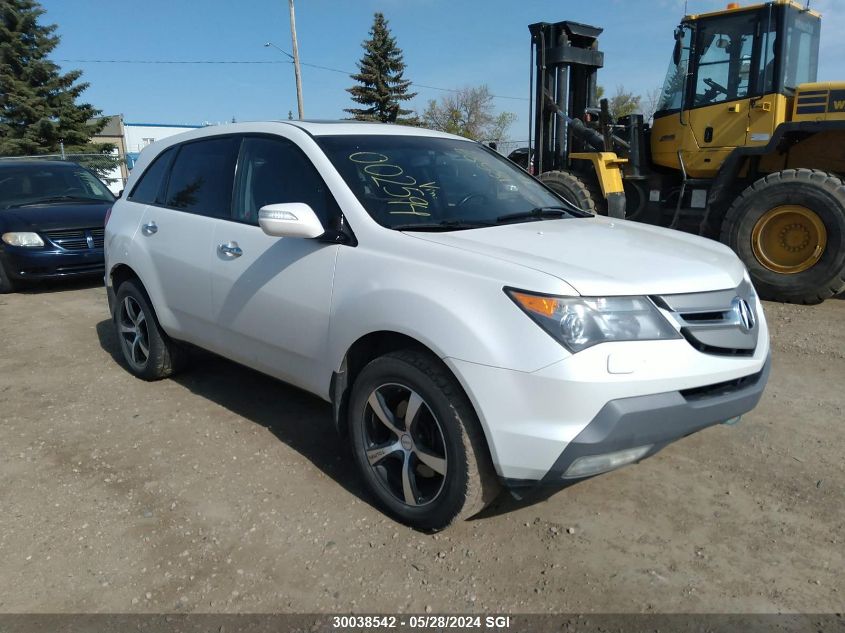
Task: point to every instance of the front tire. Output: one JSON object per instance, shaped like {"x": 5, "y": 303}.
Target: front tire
{"x": 7, "y": 285}
{"x": 417, "y": 441}
{"x": 789, "y": 230}
{"x": 147, "y": 351}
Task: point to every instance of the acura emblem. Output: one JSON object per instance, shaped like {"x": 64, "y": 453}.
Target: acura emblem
{"x": 742, "y": 314}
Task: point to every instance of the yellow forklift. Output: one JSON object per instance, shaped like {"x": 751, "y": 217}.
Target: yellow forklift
{"x": 745, "y": 146}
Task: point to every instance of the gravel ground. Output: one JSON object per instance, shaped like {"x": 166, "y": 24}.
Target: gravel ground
{"x": 223, "y": 490}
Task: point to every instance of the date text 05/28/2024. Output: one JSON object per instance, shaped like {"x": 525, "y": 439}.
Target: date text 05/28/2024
{"x": 421, "y": 622}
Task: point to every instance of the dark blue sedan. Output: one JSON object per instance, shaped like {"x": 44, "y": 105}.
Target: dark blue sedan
{"x": 52, "y": 220}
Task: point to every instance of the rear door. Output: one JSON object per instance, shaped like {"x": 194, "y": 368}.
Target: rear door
{"x": 272, "y": 295}
{"x": 177, "y": 235}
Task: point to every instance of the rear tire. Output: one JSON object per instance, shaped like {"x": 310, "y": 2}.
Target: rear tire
{"x": 436, "y": 468}
{"x": 147, "y": 351}
{"x": 789, "y": 230}
{"x": 7, "y": 285}
{"x": 582, "y": 191}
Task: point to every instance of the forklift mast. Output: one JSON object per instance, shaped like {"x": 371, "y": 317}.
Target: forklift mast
{"x": 565, "y": 60}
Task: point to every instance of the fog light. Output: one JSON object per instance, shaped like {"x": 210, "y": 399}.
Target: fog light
{"x": 733, "y": 421}
{"x": 595, "y": 464}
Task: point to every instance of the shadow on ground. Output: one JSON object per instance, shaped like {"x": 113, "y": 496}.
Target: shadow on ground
{"x": 295, "y": 417}
{"x": 60, "y": 285}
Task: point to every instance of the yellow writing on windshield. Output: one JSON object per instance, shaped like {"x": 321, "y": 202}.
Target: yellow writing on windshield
{"x": 407, "y": 196}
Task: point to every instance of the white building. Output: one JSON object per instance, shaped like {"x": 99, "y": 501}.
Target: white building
{"x": 138, "y": 135}
{"x": 130, "y": 139}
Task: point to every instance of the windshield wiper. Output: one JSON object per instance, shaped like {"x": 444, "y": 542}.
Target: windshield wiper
{"x": 58, "y": 199}
{"x": 445, "y": 225}
{"x": 538, "y": 213}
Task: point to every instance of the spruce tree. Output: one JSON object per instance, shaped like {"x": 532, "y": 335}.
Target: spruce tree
{"x": 381, "y": 85}
{"x": 38, "y": 104}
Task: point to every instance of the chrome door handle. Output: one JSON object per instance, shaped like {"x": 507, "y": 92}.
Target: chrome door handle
{"x": 149, "y": 228}
{"x": 230, "y": 249}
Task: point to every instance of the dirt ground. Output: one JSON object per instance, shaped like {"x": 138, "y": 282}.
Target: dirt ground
{"x": 226, "y": 491}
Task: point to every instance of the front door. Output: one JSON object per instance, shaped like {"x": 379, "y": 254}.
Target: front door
{"x": 272, "y": 295}
{"x": 724, "y": 68}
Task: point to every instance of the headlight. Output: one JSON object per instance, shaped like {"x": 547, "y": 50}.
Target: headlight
{"x": 23, "y": 239}
{"x": 581, "y": 322}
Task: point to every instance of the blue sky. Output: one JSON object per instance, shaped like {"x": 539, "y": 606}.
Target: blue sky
{"x": 447, "y": 43}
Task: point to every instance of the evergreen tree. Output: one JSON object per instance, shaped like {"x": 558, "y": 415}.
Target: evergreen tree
{"x": 38, "y": 107}
{"x": 382, "y": 87}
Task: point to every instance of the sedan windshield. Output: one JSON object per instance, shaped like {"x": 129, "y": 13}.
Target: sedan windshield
{"x": 429, "y": 183}
{"x": 33, "y": 185}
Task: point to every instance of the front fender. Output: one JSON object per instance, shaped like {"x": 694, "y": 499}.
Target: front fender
{"x": 454, "y": 313}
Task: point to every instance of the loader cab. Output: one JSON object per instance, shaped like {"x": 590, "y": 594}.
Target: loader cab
{"x": 730, "y": 82}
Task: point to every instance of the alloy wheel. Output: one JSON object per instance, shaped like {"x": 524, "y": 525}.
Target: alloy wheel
{"x": 404, "y": 444}
{"x": 133, "y": 332}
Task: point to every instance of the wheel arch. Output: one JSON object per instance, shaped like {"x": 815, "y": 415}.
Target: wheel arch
{"x": 120, "y": 273}
{"x": 366, "y": 348}
{"x": 729, "y": 181}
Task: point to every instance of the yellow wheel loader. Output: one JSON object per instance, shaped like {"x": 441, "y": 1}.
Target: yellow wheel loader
{"x": 745, "y": 146}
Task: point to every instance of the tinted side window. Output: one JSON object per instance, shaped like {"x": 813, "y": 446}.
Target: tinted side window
{"x": 273, "y": 171}
{"x": 150, "y": 187}
{"x": 202, "y": 174}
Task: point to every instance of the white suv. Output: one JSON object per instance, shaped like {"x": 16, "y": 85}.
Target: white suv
{"x": 469, "y": 326}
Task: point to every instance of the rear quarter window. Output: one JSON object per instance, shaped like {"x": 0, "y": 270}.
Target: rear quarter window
{"x": 150, "y": 187}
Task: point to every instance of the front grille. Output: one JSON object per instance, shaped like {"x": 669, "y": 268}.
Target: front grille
{"x": 77, "y": 239}
{"x": 99, "y": 237}
{"x": 723, "y": 323}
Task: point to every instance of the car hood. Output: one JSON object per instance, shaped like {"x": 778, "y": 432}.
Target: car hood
{"x": 605, "y": 257}
{"x": 52, "y": 217}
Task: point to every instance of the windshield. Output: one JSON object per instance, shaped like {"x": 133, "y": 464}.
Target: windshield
{"x": 405, "y": 181}
{"x": 671, "y": 96}
{"x": 36, "y": 184}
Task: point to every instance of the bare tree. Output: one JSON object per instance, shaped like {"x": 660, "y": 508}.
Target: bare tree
{"x": 651, "y": 102}
{"x": 624, "y": 103}
{"x": 468, "y": 112}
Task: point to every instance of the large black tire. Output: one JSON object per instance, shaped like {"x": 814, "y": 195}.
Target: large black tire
{"x": 397, "y": 460}
{"x": 582, "y": 191}
{"x": 820, "y": 197}
{"x": 147, "y": 351}
{"x": 7, "y": 284}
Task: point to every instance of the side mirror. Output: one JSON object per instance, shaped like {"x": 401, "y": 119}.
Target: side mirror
{"x": 291, "y": 219}
{"x": 676, "y": 52}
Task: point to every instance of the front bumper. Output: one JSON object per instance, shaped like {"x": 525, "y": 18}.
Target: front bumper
{"x": 46, "y": 263}
{"x": 657, "y": 420}
{"x": 606, "y": 398}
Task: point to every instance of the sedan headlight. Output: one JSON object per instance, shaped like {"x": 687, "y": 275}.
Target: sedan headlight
{"x": 581, "y": 322}
{"x": 23, "y": 239}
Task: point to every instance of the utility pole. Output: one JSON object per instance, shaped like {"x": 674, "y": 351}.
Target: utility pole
{"x": 296, "y": 60}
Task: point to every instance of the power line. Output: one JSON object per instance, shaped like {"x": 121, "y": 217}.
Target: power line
{"x": 280, "y": 61}
{"x": 164, "y": 61}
